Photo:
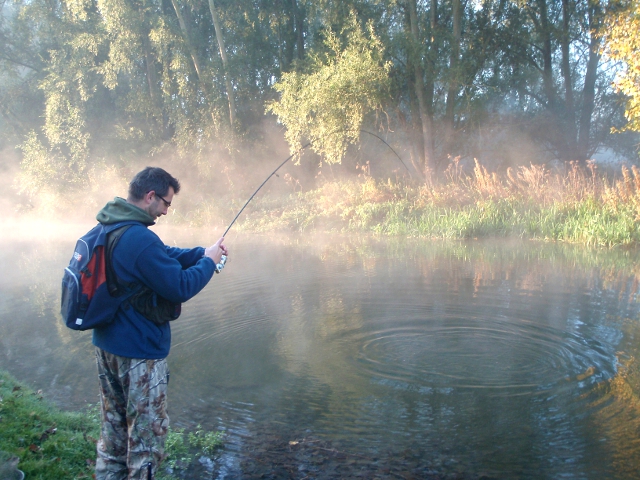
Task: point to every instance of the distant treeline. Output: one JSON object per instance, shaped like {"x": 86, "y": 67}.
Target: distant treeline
{"x": 84, "y": 82}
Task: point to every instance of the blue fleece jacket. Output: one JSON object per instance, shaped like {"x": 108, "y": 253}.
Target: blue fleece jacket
{"x": 174, "y": 273}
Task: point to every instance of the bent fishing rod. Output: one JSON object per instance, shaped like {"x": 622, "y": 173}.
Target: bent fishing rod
{"x": 223, "y": 259}
{"x": 289, "y": 158}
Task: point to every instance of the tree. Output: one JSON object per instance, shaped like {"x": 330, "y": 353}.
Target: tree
{"x": 68, "y": 80}
{"x": 424, "y": 109}
{"x": 86, "y": 80}
{"x": 622, "y": 43}
{"x": 327, "y": 101}
{"x": 225, "y": 63}
{"x": 558, "y": 47}
{"x": 21, "y": 65}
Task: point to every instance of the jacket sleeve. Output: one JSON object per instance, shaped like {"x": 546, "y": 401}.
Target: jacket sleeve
{"x": 187, "y": 257}
{"x": 164, "y": 272}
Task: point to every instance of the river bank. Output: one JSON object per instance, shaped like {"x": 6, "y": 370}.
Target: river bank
{"x": 47, "y": 443}
{"x": 574, "y": 204}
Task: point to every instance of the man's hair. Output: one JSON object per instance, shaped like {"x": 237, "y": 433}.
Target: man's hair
{"x": 152, "y": 178}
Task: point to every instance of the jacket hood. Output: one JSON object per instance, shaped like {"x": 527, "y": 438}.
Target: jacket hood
{"x": 119, "y": 210}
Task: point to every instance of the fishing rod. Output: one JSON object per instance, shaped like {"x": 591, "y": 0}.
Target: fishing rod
{"x": 223, "y": 259}
{"x": 289, "y": 158}
{"x": 262, "y": 184}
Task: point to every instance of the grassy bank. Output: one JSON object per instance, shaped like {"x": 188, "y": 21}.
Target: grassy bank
{"x": 574, "y": 204}
{"x": 49, "y": 444}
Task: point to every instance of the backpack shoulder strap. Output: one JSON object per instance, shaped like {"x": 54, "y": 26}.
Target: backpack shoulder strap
{"x": 114, "y": 283}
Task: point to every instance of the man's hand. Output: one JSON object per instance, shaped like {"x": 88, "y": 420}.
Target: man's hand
{"x": 215, "y": 251}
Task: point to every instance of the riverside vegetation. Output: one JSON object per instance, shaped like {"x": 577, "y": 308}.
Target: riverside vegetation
{"x": 49, "y": 444}
{"x": 575, "y": 204}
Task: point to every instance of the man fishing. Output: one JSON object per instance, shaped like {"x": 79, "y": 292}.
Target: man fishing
{"x": 131, "y": 351}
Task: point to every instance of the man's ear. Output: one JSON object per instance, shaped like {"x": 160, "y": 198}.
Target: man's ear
{"x": 148, "y": 198}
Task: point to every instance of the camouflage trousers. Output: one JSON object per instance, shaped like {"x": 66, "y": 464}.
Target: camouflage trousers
{"x": 134, "y": 420}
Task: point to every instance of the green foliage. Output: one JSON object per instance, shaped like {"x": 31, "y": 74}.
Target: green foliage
{"x": 176, "y": 443}
{"x": 38, "y": 168}
{"x": 57, "y": 158}
{"x": 113, "y": 80}
{"x": 205, "y": 441}
{"x": 117, "y": 78}
{"x": 622, "y": 43}
{"x": 184, "y": 449}
{"x": 326, "y": 102}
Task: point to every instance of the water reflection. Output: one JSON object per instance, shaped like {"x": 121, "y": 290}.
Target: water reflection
{"x": 389, "y": 357}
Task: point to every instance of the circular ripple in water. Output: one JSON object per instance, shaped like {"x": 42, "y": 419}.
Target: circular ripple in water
{"x": 505, "y": 354}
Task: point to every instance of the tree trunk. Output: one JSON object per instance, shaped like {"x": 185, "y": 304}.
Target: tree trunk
{"x": 413, "y": 126}
{"x": 433, "y": 54}
{"x": 185, "y": 34}
{"x": 225, "y": 67}
{"x": 589, "y": 92}
{"x": 569, "y": 113}
{"x": 154, "y": 91}
{"x": 192, "y": 50}
{"x": 425, "y": 118}
{"x": 289, "y": 37}
{"x": 547, "y": 52}
{"x": 299, "y": 24}
{"x": 152, "y": 78}
{"x": 452, "y": 91}
{"x": 556, "y": 128}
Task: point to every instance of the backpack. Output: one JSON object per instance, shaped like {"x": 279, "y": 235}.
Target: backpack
{"x": 91, "y": 293}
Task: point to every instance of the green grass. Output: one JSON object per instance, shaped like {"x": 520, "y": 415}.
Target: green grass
{"x": 584, "y": 221}
{"x": 50, "y": 444}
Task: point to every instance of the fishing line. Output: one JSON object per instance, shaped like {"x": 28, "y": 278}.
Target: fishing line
{"x": 289, "y": 158}
{"x": 380, "y": 138}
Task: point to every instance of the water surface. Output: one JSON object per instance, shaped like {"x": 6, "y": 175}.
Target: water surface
{"x": 342, "y": 356}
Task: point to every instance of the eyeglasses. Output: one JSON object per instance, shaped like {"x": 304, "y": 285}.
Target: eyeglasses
{"x": 168, "y": 204}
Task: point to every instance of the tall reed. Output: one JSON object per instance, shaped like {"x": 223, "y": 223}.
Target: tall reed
{"x": 573, "y": 203}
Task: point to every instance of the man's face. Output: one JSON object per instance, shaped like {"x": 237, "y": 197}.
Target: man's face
{"x": 160, "y": 205}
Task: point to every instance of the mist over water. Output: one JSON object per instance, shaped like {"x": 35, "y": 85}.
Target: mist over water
{"x": 325, "y": 356}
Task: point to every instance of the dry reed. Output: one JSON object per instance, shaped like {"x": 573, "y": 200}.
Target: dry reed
{"x": 573, "y": 203}
{"x": 536, "y": 184}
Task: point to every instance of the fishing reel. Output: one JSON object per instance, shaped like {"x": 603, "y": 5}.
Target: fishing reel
{"x": 220, "y": 266}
